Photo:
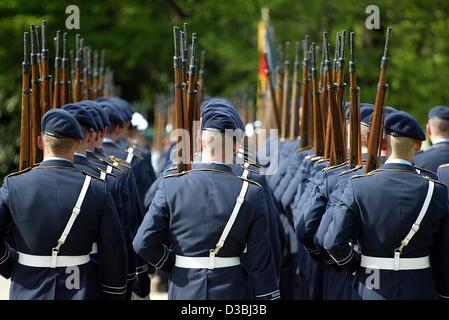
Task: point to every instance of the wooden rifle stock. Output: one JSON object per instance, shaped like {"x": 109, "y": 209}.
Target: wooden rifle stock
{"x": 355, "y": 146}
{"x": 58, "y": 66}
{"x": 285, "y": 93}
{"x": 179, "y": 101}
{"x": 294, "y": 122}
{"x": 192, "y": 111}
{"x": 77, "y": 81}
{"x": 337, "y": 146}
{"x": 25, "y": 147}
{"x": 318, "y": 138}
{"x": 341, "y": 85}
{"x": 376, "y": 124}
{"x": 201, "y": 74}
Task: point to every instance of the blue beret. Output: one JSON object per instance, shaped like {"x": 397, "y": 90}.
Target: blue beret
{"x": 115, "y": 117}
{"x": 387, "y": 111}
{"x": 365, "y": 111}
{"x": 81, "y": 115}
{"x": 441, "y": 112}
{"x": 124, "y": 108}
{"x": 221, "y": 114}
{"x": 61, "y": 123}
{"x": 401, "y": 124}
{"x": 94, "y": 114}
{"x": 104, "y": 117}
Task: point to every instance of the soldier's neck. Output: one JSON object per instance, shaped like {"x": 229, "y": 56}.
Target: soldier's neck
{"x": 50, "y": 154}
{"x": 401, "y": 156}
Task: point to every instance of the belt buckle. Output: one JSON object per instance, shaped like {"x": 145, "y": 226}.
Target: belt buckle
{"x": 396, "y": 260}
{"x": 54, "y": 257}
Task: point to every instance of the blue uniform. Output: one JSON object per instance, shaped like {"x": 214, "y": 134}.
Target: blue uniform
{"x": 363, "y": 216}
{"x": 186, "y": 218}
{"x": 433, "y": 157}
{"x": 37, "y": 221}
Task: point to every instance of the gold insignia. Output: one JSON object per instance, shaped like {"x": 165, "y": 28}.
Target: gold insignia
{"x": 19, "y": 172}
{"x": 92, "y": 175}
{"x": 334, "y": 167}
{"x": 109, "y": 173}
{"x": 350, "y": 170}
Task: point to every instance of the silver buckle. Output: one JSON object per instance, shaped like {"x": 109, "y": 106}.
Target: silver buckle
{"x": 397, "y": 259}
{"x": 240, "y": 200}
{"x": 211, "y": 265}
{"x": 54, "y": 257}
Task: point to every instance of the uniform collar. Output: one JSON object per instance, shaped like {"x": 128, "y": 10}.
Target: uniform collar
{"x": 100, "y": 152}
{"x": 80, "y": 159}
{"x": 56, "y": 162}
{"x": 212, "y": 165}
{"x": 398, "y": 164}
{"x": 108, "y": 141}
{"x": 439, "y": 140}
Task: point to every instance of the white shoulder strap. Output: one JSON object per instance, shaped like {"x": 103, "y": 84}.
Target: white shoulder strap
{"x": 245, "y": 171}
{"x": 104, "y": 174}
{"x": 75, "y": 212}
{"x": 415, "y": 226}
{"x": 229, "y": 224}
{"x": 130, "y": 156}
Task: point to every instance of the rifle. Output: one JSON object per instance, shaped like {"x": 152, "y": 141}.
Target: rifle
{"x": 337, "y": 144}
{"x": 355, "y": 146}
{"x": 201, "y": 73}
{"x": 35, "y": 107}
{"x": 303, "y": 128}
{"x": 38, "y": 47}
{"x": 285, "y": 93}
{"x": 179, "y": 102}
{"x": 95, "y": 76}
{"x": 310, "y": 124}
{"x": 90, "y": 89}
{"x": 192, "y": 111}
{"x": 324, "y": 103}
{"x": 77, "y": 81}
{"x": 65, "y": 83}
{"x": 86, "y": 84}
{"x": 376, "y": 124}
{"x": 294, "y": 123}
{"x": 279, "y": 84}
{"x": 100, "y": 90}
{"x": 341, "y": 86}
{"x": 277, "y": 116}
{"x": 318, "y": 138}
{"x": 58, "y": 66}
{"x": 25, "y": 115}
{"x": 45, "y": 76}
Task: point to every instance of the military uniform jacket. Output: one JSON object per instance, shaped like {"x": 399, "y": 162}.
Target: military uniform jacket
{"x": 378, "y": 210}
{"x": 433, "y": 157}
{"x": 189, "y": 212}
{"x": 37, "y": 205}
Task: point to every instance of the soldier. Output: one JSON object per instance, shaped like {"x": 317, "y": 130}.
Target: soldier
{"x": 395, "y": 240}
{"x": 55, "y": 225}
{"x": 208, "y": 215}
{"x": 437, "y": 130}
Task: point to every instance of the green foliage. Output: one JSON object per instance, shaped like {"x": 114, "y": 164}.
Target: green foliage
{"x": 138, "y": 38}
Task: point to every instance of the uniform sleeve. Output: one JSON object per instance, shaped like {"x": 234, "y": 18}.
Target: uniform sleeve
{"x": 8, "y": 257}
{"x": 440, "y": 256}
{"x": 342, "y": 230}
{"x": 112, "y": 252}
{"x": 259, "y": 257}
{"x": 152, "y": 238}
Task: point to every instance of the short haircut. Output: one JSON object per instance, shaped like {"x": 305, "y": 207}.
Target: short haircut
{"x": 58, "y": 145}
{"x": 400, "y": 145}
{"x": 439, "y": 127}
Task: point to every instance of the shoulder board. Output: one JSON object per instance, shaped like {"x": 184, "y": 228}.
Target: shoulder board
{"x": 19, "y": 172}
{"x": 442, "y": 166}
{"x": 251, "y": 181}
{"x": 425, "y": 170}
{"x": 178, "y": 174}
{"x": 436, "y": 181}
{"x": 322, "y": 160}
{"x": 36, "y": 164}
{"x": 120, "y": 161}
{"x": 112, "y": 164}
{"x": 134, "y": 154}
{"x": 361, "y": 175}
{"x": 171, "y": 168}
{"x": 108, "y": 173}
{"x": 308, "y": 157}
{"x": 316, "y": 158}
{"x": 92, "y": 175}
{"x": 350, "y": 170}
{"x": 249, "y": 170}
{"x": 334, "y": 167}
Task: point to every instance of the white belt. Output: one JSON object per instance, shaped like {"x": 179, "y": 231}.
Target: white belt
{"x": 203, "y": 262}
{"x": 45, "y": 261}
{"x": 389, "y": 263}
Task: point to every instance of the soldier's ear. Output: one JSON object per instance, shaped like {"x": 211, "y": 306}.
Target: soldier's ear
{"x": 428, "y": 130}
{"x": 40, "y": 142}
{"x": 418, "y": 145}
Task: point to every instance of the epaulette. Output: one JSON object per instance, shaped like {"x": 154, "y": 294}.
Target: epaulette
{"x": 19, "y": 172}
{"x": 443, "y": 165}
{"x": 350, "y": 170}
{"x": 251, "y": 181}
{"x": 36, "y": 164}
{"x": 250, "y": 170}
{"x": 120, "y": 161}
{"x": 303, "y": 148}
{"x": 425, "y": 170}
{"x": 322, "y": 160}
{"x": 436, "y": 181}
{"x": 361, "y": 175}
{"x": 316, "y": 158}
{"x": 333, "y": 167}
{"x": 92, "y": 175}
{"x": 177, "y": 174}
{"x": 115, "y": 165}
{"x": 109, "y": 173}
{"x": 134, "y": 154}
{"x": 308, "y": 157}
{"x": 171, "y": 168}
